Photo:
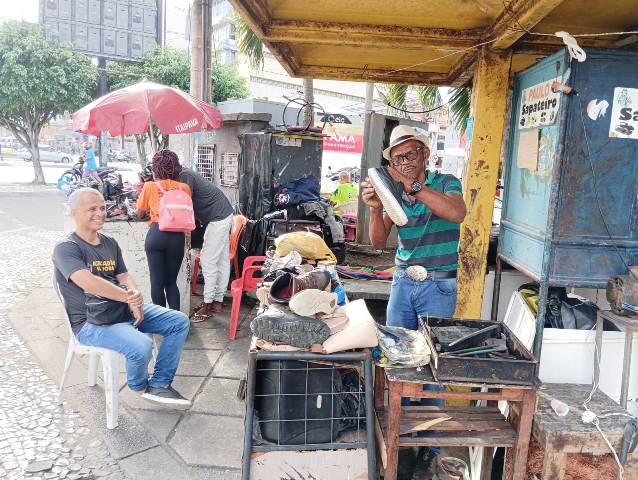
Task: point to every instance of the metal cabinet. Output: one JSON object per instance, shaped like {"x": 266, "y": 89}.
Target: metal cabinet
{"x": 270, "y": 159}
{"x": 570, "y": 209}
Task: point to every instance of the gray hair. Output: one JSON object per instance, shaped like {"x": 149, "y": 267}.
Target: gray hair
{"x": 75, "y": 199}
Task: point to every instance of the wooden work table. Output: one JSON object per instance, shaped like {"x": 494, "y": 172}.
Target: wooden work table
{"x": 366, "y": 289}
{"x": 463, "y": 426}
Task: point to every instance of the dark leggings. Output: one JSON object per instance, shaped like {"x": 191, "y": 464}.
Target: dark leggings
{"x": 164, "y": 252}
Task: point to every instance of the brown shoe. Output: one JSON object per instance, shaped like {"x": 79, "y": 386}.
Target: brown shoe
{"x": 317, "y": 279}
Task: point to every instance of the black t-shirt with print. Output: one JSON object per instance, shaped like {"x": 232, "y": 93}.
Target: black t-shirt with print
{"x": 74, "y": 254}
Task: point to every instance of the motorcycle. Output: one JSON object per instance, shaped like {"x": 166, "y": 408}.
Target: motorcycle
{"x": 74, "y": 174}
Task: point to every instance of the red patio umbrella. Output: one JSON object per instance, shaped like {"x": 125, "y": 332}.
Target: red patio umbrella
{"x": 129, "y": 110}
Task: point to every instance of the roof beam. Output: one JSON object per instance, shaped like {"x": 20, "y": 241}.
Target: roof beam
{"x": 410, "y": 77}
{"x": 330, "y": 33}
{"x": 518, "y": 16}
{"x": 463, "y": 70}
{"x": 256, "y": 13}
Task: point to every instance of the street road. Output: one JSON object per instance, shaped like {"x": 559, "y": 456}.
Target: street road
{"x": 40, "y": 209}
{"x": 14, "y": 170}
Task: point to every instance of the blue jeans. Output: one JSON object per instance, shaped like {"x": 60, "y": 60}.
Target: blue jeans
{"x": 409, "y": 299}
{"x": 132, "y": 342}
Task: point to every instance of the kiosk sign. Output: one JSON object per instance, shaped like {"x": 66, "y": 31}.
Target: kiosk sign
{"x": 539, "y": 105}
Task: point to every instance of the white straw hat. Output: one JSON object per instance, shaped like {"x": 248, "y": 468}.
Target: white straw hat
{"x": 401, "y": 134}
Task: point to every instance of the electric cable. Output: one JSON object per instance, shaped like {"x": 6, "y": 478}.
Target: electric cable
{"x": 487, "y": 42}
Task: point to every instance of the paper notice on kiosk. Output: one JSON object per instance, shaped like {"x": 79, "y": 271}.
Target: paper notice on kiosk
{"x": 527, "y": 155}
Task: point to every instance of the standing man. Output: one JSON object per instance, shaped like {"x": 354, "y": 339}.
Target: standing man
{"x": 426, "y": 208}
{"x": 106, "y": 309}
{"x": 90, "y": 166}
{"x": 215, "y": 213}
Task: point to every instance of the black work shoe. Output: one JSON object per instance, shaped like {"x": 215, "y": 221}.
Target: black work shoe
{"x": 390, "y": 193}
{"x": 279, "y": 327}
{"x": 165, "y": 396}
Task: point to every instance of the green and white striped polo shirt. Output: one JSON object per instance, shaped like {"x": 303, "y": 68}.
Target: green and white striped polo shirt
{"x": 427, "y": 239}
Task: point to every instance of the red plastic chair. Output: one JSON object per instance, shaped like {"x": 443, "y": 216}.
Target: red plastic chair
{"x": 246, "y": 283}
{"x": 239, "y": 222}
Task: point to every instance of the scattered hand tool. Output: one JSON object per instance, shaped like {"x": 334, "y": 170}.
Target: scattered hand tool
{"x": 475, "y": 350}
{"x": 473, "y": 338}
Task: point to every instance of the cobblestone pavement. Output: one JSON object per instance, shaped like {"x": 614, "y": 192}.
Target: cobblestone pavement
{"x": 39, "y": 439}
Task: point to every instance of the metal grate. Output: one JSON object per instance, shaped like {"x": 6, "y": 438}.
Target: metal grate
{"x": 206, "y": 161}
{"x": 334, "y": 410}
{"x": 229, "y": 172}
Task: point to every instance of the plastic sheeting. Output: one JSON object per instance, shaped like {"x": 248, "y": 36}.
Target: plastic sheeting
{"x": 256, "y": 189}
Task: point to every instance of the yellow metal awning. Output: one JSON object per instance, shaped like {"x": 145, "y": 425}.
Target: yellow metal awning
{"x": 421, "y": 41}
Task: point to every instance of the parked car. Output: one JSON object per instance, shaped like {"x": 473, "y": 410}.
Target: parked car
{"x": 48, "y": 154}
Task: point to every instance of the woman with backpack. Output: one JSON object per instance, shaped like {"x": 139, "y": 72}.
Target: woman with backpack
{"x": 171, "y": 215}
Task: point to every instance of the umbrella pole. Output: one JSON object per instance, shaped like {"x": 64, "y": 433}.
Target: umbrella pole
{"x": 152, "y": 136}
{"x": 122, "y": 135}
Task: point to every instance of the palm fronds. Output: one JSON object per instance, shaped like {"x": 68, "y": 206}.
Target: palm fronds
{"x": 429, "y": 96}
{"x": 459, "y": 107}
{"x": 249, "y": 43}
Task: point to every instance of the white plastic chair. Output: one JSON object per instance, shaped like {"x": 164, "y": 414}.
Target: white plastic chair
{"x": 110, "y": 368}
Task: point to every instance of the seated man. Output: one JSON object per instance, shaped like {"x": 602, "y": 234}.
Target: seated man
{"x": 105, "y": 308}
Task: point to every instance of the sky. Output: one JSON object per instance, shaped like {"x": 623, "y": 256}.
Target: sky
{"x": 28, "y": 9}
{"x": 24, "y": 9}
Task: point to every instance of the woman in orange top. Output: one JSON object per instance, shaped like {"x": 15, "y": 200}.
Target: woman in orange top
{"x": 164, "y": 250}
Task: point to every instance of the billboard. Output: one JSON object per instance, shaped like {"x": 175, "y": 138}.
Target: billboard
{"x": 113, "y": 29}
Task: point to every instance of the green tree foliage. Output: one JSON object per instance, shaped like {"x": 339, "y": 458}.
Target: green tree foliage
{"x": 171, "y": 66}
{"x": 252, "y": 47}
{"x": 249, "y": 43}
{"x": 228, "y": 84}
{"x": 39, "y": 80}
{"x": 430, "y": 97}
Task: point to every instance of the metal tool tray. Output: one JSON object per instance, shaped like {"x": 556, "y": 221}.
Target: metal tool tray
{"x": 519, "y": 371}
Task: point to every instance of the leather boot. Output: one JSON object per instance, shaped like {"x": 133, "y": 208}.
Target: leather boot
{"x": 317, "y": 279}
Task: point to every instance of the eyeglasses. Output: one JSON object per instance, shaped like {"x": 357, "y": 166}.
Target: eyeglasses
{"x": 410, "y": 156}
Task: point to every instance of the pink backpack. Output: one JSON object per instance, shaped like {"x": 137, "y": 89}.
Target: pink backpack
{"x": 175, "y": 211}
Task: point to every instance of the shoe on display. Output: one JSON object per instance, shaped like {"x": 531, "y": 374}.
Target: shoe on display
{"x": 360, "y": 332}
{"x": 165, "y": 396}
{"x": 262, "y": 295}
{"x": 337, "y": 320}
{"x": 390, "y": 193}
{"x": 317, "y": 279}
{"x": 304, "y": 268}
{"x": 309, "y": 302}
{"x": 291, "y": 260}
{"x": 281, "y": 289}
{"x": 280, "y": 327}
{"x": 275, "y": 274}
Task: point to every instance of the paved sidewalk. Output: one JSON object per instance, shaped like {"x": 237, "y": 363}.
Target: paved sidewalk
{"x": 153, "y": 442}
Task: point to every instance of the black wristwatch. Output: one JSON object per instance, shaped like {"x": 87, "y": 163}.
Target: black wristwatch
{"x": 416, "y": 187}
